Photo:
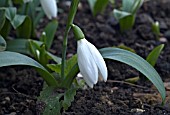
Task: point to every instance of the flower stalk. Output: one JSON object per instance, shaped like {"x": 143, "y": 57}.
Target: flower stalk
{"x": 72, "y": 13}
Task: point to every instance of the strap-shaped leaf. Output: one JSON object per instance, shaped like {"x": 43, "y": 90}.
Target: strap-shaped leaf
{"x": 131, "y": 6}
{"x": 2, "y": 44}
{"x": 97, "y": 6}
{"x": 138, "y": 63}
{"x": 154, "y": 54}
{"x": 22, "y": 46}
{"x": 2, "y": 18}
{"x": 50, "y": 30}
{"x": 120, "y": 14}
{"x": 11, "y": 58}
{"x": 10, "y": 13}
{"x": 25, "y": 29}
{"x": 18, "y": 20}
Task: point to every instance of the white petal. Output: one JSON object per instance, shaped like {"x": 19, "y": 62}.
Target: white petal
{"x": 49, "y": 7}
{"x": 87, "y": 66}
{"x": 98, "y": 59}
{"x": 90, "y": 84}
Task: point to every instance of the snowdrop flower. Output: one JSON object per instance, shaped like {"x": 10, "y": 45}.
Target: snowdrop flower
{"x": 49, "y": 7}
{"x": 26, "y": 1}
{"x": 90, "y": 61}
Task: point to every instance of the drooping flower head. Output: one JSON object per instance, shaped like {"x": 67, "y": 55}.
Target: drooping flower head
{"x": 49, "y": 7}
{"x": 90, "y": 61}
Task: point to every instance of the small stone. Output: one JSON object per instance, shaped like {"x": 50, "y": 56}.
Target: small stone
{"x": 163, "y": 40}
{"x": 137, "y": 110}
{"x": 69, "y": 55}
{"x": 67, "y": 3}
{"x": 7, "y": 98}
{"x": 167, "y": 86}
{"x": 3, "y": 102}
{"x": 13, "y": 113}
{"x": 60, "y": 37}
{"x": 80, "y": 6}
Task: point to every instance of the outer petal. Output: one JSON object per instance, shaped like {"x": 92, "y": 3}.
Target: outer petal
{"x": 98, "y": 59}
{"x": 49, "y": 7}
{"x": 87, "y": 66}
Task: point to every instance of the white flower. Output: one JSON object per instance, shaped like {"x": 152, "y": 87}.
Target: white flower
{"x": 49, "y": 7}
{"x": 91, "y": 63}
{"x": 25, "y": 1}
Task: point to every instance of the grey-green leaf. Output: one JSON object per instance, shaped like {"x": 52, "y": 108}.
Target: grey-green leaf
{"x": 11, "y": 58}
{"x": 50, "y": 30}
{"x": 120, "y": 14}
{"x": 100, "y": 6}
{"x": 53, "y": 57}
{"x": 131, "y": 6}
{"x": 19, "y": 45}
{"x": 138, "y": 63}
{"x": 2, "y": 18}
{"x": 23, "y": 46}
{"x": 10, "y": 13}
{"x": 17, "y": 21}
{"x": 154, "y": 54}
{"x": 97, "y": 6}
{"x": 2, "y": 44}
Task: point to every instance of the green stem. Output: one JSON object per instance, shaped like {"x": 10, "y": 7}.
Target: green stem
{"x": 72, "y": 13}
{"x": 70, "y": 77}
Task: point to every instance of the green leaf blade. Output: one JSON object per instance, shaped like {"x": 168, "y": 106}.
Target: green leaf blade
{"x": 11, "y": 58}
{"x": 97, "y": 6}
{"x": 18, "y": 20}
{"x": 25, "y": 29}
{"x": 10, "y": 13}
{"x": 2, "y": 18}
{"x": 120, "y": 14}
{"x": 2, "y": 44}
{"x": 154, "y": 54}
{"x": 138, "y": 63}
{"x": 50, "y": 32}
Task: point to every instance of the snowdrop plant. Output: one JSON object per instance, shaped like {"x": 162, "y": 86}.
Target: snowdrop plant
{"x": 127, "y": 14}
{"x": 60, "y": 77}
{"x": 50, "y": 8}
{"x": 156, "y": 29}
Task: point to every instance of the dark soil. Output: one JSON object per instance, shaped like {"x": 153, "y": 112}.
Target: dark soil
{"x": 19, "y": 86}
